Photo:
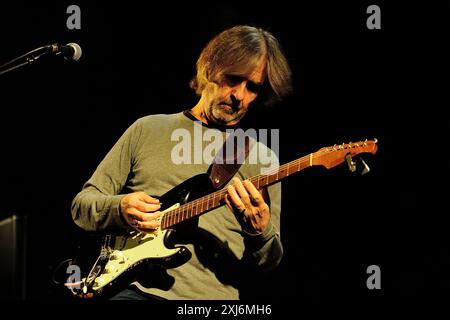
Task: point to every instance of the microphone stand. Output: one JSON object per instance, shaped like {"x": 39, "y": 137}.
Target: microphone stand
{"x": 29, "y": 57}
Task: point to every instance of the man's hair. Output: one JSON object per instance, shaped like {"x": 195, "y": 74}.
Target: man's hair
{"x": 236, "y": 51}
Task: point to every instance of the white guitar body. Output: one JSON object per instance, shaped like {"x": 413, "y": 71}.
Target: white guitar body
{"x": 130, "y": 250}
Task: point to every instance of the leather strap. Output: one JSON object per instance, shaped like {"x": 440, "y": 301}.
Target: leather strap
{"x": 229, "y": 158}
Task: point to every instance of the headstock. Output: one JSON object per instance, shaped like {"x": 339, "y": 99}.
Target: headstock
{"x": 330, "y": 157}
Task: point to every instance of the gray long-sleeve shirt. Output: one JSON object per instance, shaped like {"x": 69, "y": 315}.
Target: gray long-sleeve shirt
{"x": 150, "y": 157}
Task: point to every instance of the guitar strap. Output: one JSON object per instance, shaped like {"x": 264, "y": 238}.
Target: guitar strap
{"x": 229, "y": 158}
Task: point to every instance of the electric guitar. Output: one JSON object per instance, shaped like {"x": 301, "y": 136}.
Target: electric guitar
{"x": 120, "y": 254}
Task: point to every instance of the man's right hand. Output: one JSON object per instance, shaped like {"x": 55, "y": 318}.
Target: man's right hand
{"x": 140, "y": 211}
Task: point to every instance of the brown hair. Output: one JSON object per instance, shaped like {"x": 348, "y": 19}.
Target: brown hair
{"x": 237, "y": 51}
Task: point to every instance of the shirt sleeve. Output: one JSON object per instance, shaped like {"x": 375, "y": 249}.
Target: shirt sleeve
{"x": 96, "y": 206}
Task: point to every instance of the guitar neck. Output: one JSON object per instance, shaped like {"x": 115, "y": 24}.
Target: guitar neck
{"x": 329, "y": 157}
{"x": 216, "y": 199}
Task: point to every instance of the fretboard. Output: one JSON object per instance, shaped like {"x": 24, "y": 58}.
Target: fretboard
{"x": 216, "y": 199}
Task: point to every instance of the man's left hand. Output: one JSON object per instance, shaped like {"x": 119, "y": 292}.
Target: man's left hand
{"x": 249, "y": 206}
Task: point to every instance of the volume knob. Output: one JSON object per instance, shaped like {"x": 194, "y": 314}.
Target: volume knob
{"x": 118, "y": 255}
{"x": 110, "y": 268}
{"x": 99, "y": 280}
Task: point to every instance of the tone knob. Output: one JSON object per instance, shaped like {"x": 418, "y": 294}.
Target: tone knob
{"x": 99, "y": 280}
{"x": 117, "y": 255}
{"x": 110, "y": 268}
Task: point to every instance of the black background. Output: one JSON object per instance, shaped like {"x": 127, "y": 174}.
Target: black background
{"x": 350, "y": 83}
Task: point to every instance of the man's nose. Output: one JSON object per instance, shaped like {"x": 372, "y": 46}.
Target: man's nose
{"x": 239, "y": 90}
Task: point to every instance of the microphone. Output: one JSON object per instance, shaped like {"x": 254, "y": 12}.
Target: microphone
{"x": 70, "y": 51}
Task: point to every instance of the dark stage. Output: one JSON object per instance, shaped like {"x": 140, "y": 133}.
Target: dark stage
{"x": 351, "y": 83}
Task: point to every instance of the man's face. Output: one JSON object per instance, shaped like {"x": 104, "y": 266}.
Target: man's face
{"x": 229, "y": 103}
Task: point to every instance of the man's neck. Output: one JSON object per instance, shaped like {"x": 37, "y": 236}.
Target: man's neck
{"x": 198, "y": 113}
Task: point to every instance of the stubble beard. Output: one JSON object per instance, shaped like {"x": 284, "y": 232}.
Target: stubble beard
{"x": 224, "y": 115}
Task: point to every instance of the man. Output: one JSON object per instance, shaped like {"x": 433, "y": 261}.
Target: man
{"x": 235, "y": 68}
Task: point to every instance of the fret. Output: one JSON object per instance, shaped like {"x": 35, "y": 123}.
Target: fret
{"x": 163, "y": 223}
{"x": 273, "y": 177}
{"x": 174, "y": 217}
{"x": 291, "y": 168}
{"x": 216, "y": 200}
{"x": 221, "y": 196}
{"x": 178, "y": 216}
{"x": 282, "y": 172}
{"x": 301, "y": 165}
{"x": 169, "y": 218}
{"x": 260, "y": 181}
{"x": 189, "y": 210}
{"x": 194, "y": 208}
{"x": 211, "y": 201}
{"x": 199, "y": 206}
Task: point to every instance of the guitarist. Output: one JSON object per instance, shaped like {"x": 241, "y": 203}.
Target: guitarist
{"x": 236, "y": 67}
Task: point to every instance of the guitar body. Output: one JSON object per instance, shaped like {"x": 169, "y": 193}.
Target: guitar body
{"x": 122, "y": 253}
